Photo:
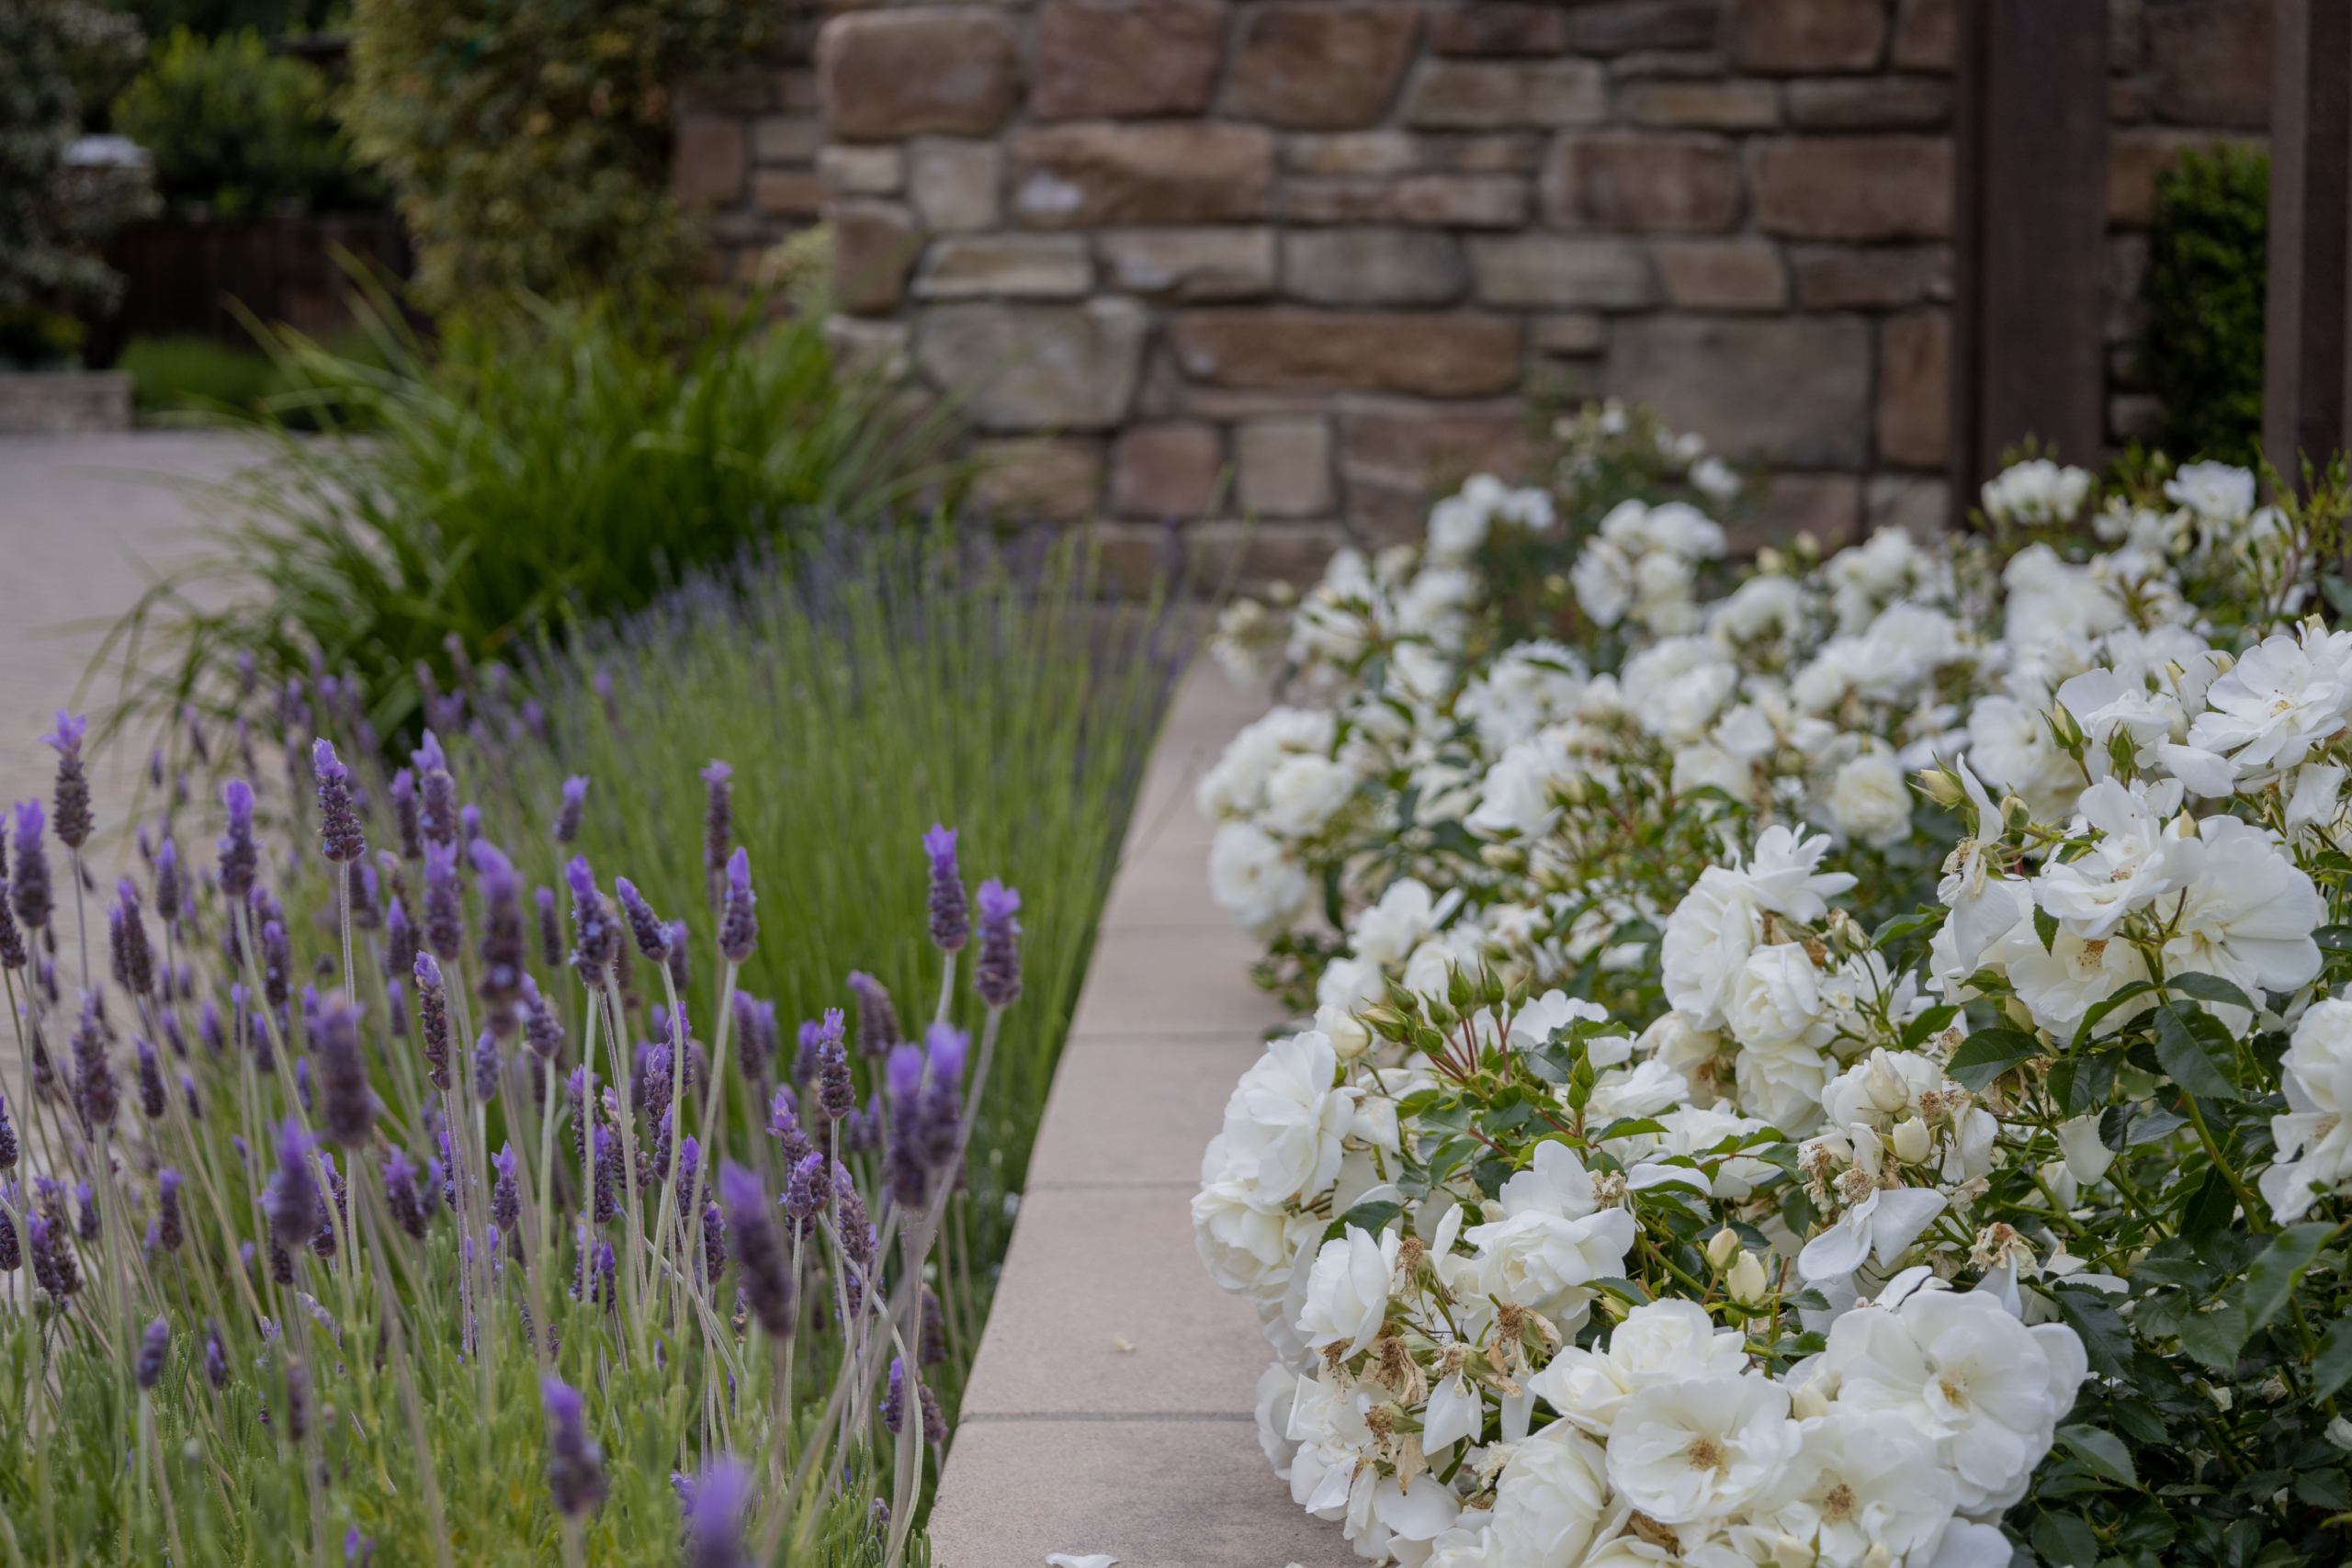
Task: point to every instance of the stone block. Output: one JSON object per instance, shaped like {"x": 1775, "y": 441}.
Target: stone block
{"x": 1254, "y": 558}
{"x": 867, "y": 348}
{"x": 884, "y": 76}
{"x": 1556, "y": 271}
{"x": 1045, "y": 480}
{"x": 1574, "y": 334}
{"x": 1852, "y": 187}
{"x": 1797, "y": 390}
{"x": 1371, "y": 267}
{"x": 1925, "y": 34}
{"x": 1915, "y": 390}
{"x": 1283, "y": 466}
{"x": 64, "y": 402}
{"x": 1919, "y": 504}
{"x": 710, "y": 160}
{"x": 1397, "y": 454}
{"x": 954, "y": 184}
{"x": 2134, "y": 159}
{"x": 788, "y": 193}
{"x": 2126, "y": 269}
{"x": 1826, "y": 506}
{"x": 796, "y": 91}
{"x": 735, "y": 93}
{"x": 2127, "y": 102}
{"x": 1722, "y": 274}
{"x": 1006, "y": 266}
{"x": 1355, "y": 199}
{"x": 1094, "y": 175}
{"x": 1670, "y": 65}
{"x": 1497, "y": 153}
{"x": 1850, "y": 278}
{"x": 1504, "y": 29}
{"x": 1665, "y": 183}
{"x": 1189, "y": 266}
{"x": 1873, "y": 103}
{"x": 1620, "y": 26}
{"x": 1703, "y": 106}
{"x": 1135, "y": 558}
{"x": 1319, "y": 65}
{"x": 1036, "y": 366}
{"x": 1462, "y": 202}
{"x": 875, "y": 246}
{"x": 862, "y": 171}
{"x": 1437, "y": 353}
{"x": 1792, "y": 36}
{"x": 2208, "y": 62}
{"x": 1166, "y": 470}
{"x": 1485, "y": 94}
{"x": 1354, "y": 152}
{"x": 1110, "y": 58}
{"x": 786, "y": 138}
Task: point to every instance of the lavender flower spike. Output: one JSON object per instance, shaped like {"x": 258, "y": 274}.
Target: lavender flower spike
{"x": 951, "y": 920}
{"x": 29, "y": 888}
{"x": 503, "y": 944}
{"x": 338, "y": 823}
{"x": 836, "y": 1094}
{"x": 240, "y": 857}
{"x": 167, "y": 882}
{"x": 575, "y": 799}
{"x": 651, "y": 935}
{"x": 293, "y": 1198}
{"x": 550, "y": 929}
{"x": 760, "y": 1256}
{"x": 599, "y": 940}
{"x": 722, "y": 1496}
{"x": 153, "y": 1347}
{"x": 738, "y": 927}
{"x": 98, "y": 1097}
{"x": 349, "y": 1107}
{"x": 432, "y": 1017}
{"x": 444, "y": 916}
{"x": 405, "y": 816}
{"x": 718, "y": 824}
{"x": 575, "y": 1464}
{"x": 7, "y": 1137}
{"x": 486, "y": 1067}
{"x": 877, "y": 1020}
{"x": 997, "y": 977}
{"x": 72, "y": 796}
{"x": 13, "y": 952}
{"x": 167, "y": 1232}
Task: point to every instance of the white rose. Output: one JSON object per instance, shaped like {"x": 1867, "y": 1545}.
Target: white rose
{"x": 1255, "y": 880}
{"x": 1659, "y": 1342}
{"x": 1701, "y": 1447}
{"x": 1869, "y": 800}
{"x": 1303, "y": 792}
{"x": 2216, "y": 491}
{"x": 1549, "y": 1500}
{"x": 1350, "y": 983}
{"x": 2314, "y": 1136}
{"x": 1248, "y": 1247}
{"x": 1862, "y": 1480}
{"x": 1347, "y": 1291}
{"x": 1285, "y": 1121}
{"x": 1406, "y": 914}
{"x": 1604, "y": 581}
{"x": 1277, "y": 1387}
{"x": 2245, "y": 912}
{"x": 1781, "y": 1085}
{"x": 1550, "y": 1241}
{"x": 1775, "y": 998}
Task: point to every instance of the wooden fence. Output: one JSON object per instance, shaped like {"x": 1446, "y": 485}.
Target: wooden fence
{"x": 179, "y": 277}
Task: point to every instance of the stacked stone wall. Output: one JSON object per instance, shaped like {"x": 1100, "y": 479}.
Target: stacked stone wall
{"x": 1304, "y": 262}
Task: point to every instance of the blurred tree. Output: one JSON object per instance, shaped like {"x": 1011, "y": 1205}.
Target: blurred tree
{"x": 238, "y": 129}
{"x": 2208, "y": 271}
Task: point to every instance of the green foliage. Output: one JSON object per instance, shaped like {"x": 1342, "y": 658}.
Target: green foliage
{"x": 271, "y": 18}
{"x": 52, "y": 219}
{"x": 236, "y": 128}
{"x": 530, "y": 142}
{"x": 175, "y": 374}
{"x": 562, "y": 464}
{"x": 2201, "y": 351}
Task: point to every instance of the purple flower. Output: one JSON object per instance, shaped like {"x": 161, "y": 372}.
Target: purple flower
{"x": 359, "y": 1551}
{"x": 276, "y": 966}
{"x": 97, "y": 1096}
{"x": 293, "y": 1199}
{"x": 12, "y": 952}
{"x": 567, "y": 819}
{"x": 715, "y": 1520}
{"x": 12, "y": 1256}
{"x": 87, "y": 1202}
{"x": 444, "y": 915}
{"x": 575, "y": 1464}
{"x": 599, "y": 938}
{"x": 804, "y": 1190}
{"x": 7, "y": 1137}
{"x": 239, "y": 856}
{"x": 811, "y": 1036}
{"x": 997, "y": 976}
{"x": 836, "y": 1094}
{"x": 132, "y": 960}
{"x": 541, "y": 1029}
{"x": 167, "y": 882}
{"x": 298, "y": 1401}
{"x": 72, "y": 796}
{"x": 934, "y": 1420}
{"x": 858, "y": 1240}
{"x": 714, "y": 1242}
{"x": 55, "y": 1269}
{"x": 432, "y": 1019}
{"x": 551, "y": 927}
{"x": 470, "y": 825}
{"x": 738, "y": 927}
{"x": 486, "y": 1067}
{"x": 437, "y": 818}
{"x": 165, "y": 1232}
{"x": 151, "y": 1081}
{"x": 505, "y": 1197}
{"x": 718, "y": 824}
{"x": 931, "y": 1341}
{"x": 682, "y": 974}
{"x": 502, "y": 952}
{"x": 951, "y": 920}
{"x": 405, "y": 816}
{"x": 153, "y": 1347}
{"x": 366, "y": 898}
{"x": 29, "y": 888}
{"x": 216, "y": 1356}
{"x": 652, "y": 937}
{"x": 755, "y": 1024}
{"x": 400, "y": 939}
{"x": 401, "y": 1195}
{"x": 350, "y": 1107}
{"x": 877, "y": 1020}
{"x": 195, "y": 1105}
{"x": 894, "y": 1404}
{"x": 339, "y": 831}
{"x": 760, "y": 1260}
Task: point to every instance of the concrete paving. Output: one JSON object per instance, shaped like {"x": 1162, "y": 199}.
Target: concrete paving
{"x": 1109, "y": 1409}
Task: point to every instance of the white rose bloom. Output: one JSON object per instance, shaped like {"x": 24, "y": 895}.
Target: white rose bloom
{"x": 1457, "y": 526}
{"x": 1277, "y": 1386}
{"x": 1682, "y": 529}
{"x": 1861, "y": 1481}
{"x": 2246, "y": 912}
{"x": 1715, "y": 479}
{"x": 1550, "y": 1242}
{"x": 2285, "y": 696}
{"x": 1405, "y": 916}
{"x": 1256, "y": 880}
{"x": 1711, "y": 931}
{"x": 2314, "y": 1137}
{"x": 2134, "y": 863}
{"x": 1701, "y": 1448}
{"x": 2011, "y": 749}
{"x": 1347, "y": 1291}
{"x": 1247, "y": 1247}
{"x": 1603, "y": 579}
{"x": 1549, "y": 1501}
{"x": 1780, "y": 1085}
{"x": 1645, "y": 1089}
{"x": 1775, "y": 998}
{"x": 1235, "y": 786}
{"x": 1462, "y": 1547}
{"x": 1303, "y": 792}
{"x": 1350, "y": 983}
{"x": 1285, "y": 1121}
{"x": 2061, "y": 983}
{"x": 1326, "y": 1469}
{"x": 1883, "y": 1225}
{"x": 1518, "y": 796}
{"x": 1681, "y": 709}
{"x": 1986, "y": 1389}
{"x": 2038, "y": 491}
{"x": 2218, "y": 492}
{"x": 1871, "y": 801}
{"x": 1879, "y": 1089}
{"x": 1533, "y": 1025}
{"x": 1658, "y": 1342}
{"x": 1529, "y": 685}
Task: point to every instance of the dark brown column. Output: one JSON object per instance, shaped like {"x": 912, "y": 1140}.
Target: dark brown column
{"x": 2029, "y": 233}
{"x": 2305, "y": 399}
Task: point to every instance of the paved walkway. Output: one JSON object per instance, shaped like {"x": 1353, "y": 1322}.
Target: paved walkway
{"x": 1109, "y": 1409}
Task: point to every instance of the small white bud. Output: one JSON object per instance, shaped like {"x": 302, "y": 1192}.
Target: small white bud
{"x": 1746, "y": 1281}
{"x": 1911, "y": 1140}
{"x": 1806, "y": 1403}
{"x": 1720, "y": 1247}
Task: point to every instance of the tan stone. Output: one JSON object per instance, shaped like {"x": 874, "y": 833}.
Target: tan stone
{"x": 1107, "y": 59}
{"x": 1354, "y": 152}
{"x": 1283, "y": 466}
{"x": 1577, "y": 333}
{"x": 1498, "y": 27}
{"x": 1852, "y": 187}
{"x": 1925, "y": 35}
{"x": 1665, "y": 183}
{"x": 1553, "y": 271}
{"x": 1439, "y": 354}
{"x": 1166, "y": 470}
{"x": 867, "y": 348}
{"x": 1670, "y": 65}
{"x": 1478, "y": 94}
{"x": 1826, "y": 506}
{"x": 887, "y": 74}
{"x": 1788, "y": 37}
{"x": 1622, "y": 26}
{"x": 2134, "y": 159}
{"x": 1915, "y": 390}
{"x": 1495, "y": 152}
{"x": 1049, "y": 480}
{"x": 1848, "y": 278}
{"x": 875, "y": 246}
{"x": 1006, "y": 266}
{"x": 1189, "y": 265}
{"x": 1094, "y": 175}
{"x": 2208, "y": 62}
{"x": 1134, "y": 559}
{"x": 1703, "y": 106}
{"x": 1320, "y": 65}
{"x": 953, "y": 182}
{"x": 786, "y": 138}
{"x": 863, "y": 170}
{"x": 788, "y": 193}
{"x": 1397, "y": 454}
{"x": 1335, "y": 200}
{"x": 1874, "y": 103}
{"x": 1919, "y": 504}
{"x": 1462, "y": 202}
{"x": 1371, "y": 267}
{"x": 1253, "y": 557}
{"x": 1036, "y": 366}
{"x": 736, "y": 93}
{"x": 1797, "y": 388}
{"x": 796, "y": 91}
{"x": 1722, "y": 274}
{"x": 710, "y": 160}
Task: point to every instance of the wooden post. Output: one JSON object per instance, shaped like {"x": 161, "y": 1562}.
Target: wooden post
{"x": 2306, "y": 400}
{"x": 2029, "y": 234}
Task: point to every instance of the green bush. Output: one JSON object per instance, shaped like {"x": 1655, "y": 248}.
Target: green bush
{"x": 529, "y": 139}
{"x": 2208, "y": 261}
{"x": 238, "y": 129}
{"x": 184, "y": 373}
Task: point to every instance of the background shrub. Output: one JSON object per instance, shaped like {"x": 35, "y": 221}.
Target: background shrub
{"x": 2208, "y": 269}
